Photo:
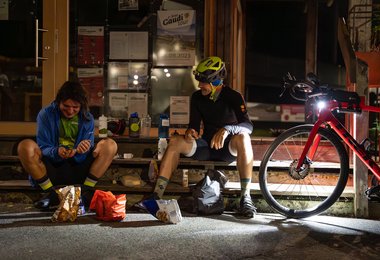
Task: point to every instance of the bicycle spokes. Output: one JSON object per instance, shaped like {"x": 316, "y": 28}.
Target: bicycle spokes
{"x": 315, "y": 184}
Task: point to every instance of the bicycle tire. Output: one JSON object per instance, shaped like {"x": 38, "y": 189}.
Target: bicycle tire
{"x": 312, "y": 190}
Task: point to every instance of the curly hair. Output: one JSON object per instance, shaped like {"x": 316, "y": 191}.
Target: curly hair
{"x": 73, "y": 90}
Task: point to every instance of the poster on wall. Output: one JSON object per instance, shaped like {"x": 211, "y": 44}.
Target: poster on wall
{"x": 179, "y": 110}
{"x": 175, "y": 44}
{"x": 128, "y": 45}
{"x": 118, "y": 104}
{"x": 90, "y": 45}
{"x": 92, "y": 80}
{"x": 125, "y": 5}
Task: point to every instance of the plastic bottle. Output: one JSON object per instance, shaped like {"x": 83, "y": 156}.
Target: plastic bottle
{"x": 163, "y": 127}
{"x": 103, "y": 127}
{"x": 134, "y": 125}
{"x": 162, "y": 144}
{"x": 146, "y": 123}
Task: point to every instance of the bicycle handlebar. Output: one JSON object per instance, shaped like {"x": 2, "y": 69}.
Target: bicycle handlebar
{"x": 311, "y": 88}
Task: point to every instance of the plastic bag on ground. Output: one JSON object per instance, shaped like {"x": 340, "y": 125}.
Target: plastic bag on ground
{"x": 108, "y": 207}
{"x": 69, "y": 198}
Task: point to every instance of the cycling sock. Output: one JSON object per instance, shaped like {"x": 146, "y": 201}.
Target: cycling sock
{"x": 161, "y": 185}
{"x": 245, "y": 187}
{"x": 45, "y": 183}
{"x": 91, "y": 180}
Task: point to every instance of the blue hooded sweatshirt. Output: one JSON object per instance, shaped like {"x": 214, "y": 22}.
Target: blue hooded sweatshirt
{"x": 48, "y": 132}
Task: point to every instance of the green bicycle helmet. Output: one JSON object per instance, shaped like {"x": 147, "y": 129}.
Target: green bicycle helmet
{"x": 210, "y": 70}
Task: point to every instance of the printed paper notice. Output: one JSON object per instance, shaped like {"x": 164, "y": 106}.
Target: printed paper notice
{"x": 118, "y": 104}
{"x": 138, "y": 102}
{"x": 179, "y": 110}
{"x": 128, "y": 45}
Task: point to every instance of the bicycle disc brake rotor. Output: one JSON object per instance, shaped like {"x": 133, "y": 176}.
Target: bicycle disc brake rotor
{"x": 298, "y": 174}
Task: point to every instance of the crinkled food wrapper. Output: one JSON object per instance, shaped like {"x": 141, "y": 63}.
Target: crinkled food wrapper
{"x": 69, "y": 198}
{"x": 166, "y": 211}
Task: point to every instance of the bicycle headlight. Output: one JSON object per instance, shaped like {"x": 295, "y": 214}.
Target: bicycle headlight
{"x": 321, "y": 105}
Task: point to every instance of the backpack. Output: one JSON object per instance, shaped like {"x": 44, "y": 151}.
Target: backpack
{"x": 208, "y": 199}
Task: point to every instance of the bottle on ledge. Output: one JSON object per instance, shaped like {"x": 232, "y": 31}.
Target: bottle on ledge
{"x": 163, "y": 127}
{"x": 103, "y": 129}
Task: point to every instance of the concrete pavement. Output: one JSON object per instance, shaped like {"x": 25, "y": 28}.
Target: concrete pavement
{"x": 29, "y": 234}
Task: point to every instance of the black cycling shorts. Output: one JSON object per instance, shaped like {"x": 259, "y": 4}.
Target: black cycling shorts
{"x": 205, "y": 153}
{"x": 67, "y": 172}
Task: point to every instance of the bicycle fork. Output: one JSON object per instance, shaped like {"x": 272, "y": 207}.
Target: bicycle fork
{"x": 314, "y": 138}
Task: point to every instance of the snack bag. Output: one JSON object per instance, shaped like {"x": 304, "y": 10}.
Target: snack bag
{"x": 108, "y": 207}
{"x": 69, "y": 198}
{"x": 166, "y": 211}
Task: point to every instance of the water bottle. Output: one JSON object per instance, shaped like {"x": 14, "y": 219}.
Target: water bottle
{"x": 103, "y": 127}
{"x": 162, "y": 144}
{"x": 134, "y": 125}
{"x": 163, "y": 127}
{"x": 146, "y": 123}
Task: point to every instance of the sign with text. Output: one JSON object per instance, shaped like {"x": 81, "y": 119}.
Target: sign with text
{"x": 175, "y": 44}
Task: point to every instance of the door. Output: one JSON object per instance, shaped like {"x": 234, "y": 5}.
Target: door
{"x": 33, "y": 54}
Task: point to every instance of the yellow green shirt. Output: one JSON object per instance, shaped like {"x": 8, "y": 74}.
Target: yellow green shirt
{"x": 68, "y": 131}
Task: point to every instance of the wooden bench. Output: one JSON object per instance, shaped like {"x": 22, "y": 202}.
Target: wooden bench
{"x": 136, "y": 162}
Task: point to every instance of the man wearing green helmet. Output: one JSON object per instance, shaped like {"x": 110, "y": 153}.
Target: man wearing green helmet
{"x": 226, "y": 131}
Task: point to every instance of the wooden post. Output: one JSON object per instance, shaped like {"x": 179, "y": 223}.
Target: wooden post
{"x": 311, "y": 36}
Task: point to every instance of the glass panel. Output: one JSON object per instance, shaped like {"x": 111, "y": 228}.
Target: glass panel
{"x": 20, "y": 80}
{"x": 169, "y": 82}
{"x": 112, "y": 48}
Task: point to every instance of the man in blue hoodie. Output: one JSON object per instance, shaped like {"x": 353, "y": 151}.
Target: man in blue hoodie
{"x": 65, "y": 153}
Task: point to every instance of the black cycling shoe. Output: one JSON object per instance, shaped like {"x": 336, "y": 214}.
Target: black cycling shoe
{"x": 48, "y": 201}
{"x": 373, "y": 193}
{"x": 246, "y": 209}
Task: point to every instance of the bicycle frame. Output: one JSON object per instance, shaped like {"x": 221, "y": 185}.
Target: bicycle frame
{"x": 326, "y": 117}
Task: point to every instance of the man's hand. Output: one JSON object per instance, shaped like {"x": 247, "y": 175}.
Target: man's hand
{"x": 217, "y": 141}
{"x": 190, "y": 135}
{"x": 83, "y": 146}
{"x": 66, "y": 153}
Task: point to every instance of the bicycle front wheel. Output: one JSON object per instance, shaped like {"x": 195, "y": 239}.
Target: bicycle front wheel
{"x": 316, "y": 186}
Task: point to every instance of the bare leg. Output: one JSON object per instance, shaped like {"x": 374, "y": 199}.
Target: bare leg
{"x": 169, "y": 163}
{"x": 241, "y": 144}
{"x": 30, "y": 157}
{"x": 104, "y": 153}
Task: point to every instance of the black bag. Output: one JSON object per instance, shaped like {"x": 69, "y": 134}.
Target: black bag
{"x": 117, "y": 127}
{"x": 208, "y": 199}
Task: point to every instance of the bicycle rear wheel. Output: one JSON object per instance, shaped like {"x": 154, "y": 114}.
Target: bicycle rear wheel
{"x": 300, "y": 194}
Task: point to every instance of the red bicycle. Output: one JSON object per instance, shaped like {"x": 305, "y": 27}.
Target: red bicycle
{"x": 310, "y": 163}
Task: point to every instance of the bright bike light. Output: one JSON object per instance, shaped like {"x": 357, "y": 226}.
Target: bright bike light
{"x": 321, "y": 105}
